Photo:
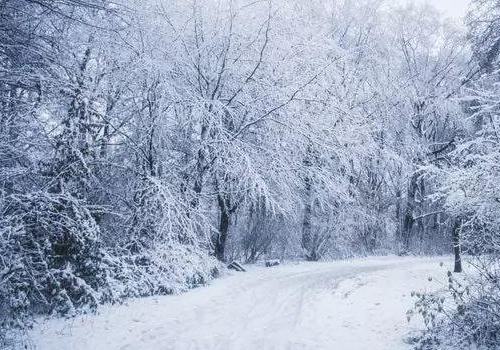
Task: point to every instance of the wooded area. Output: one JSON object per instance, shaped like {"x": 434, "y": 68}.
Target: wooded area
{"x": 141, "y": 143}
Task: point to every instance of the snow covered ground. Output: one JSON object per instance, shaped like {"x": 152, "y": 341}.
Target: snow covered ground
{"x": 347, "y": 305}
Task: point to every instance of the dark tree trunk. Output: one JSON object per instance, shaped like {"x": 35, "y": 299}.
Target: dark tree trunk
{"x": 306, "y": 223}
{"x": 409, "y": 219}
{"x": 398, "y": 217}
{"x": 407, "y": 229}
{"x": 220, "y": 243}
{"x": 456, "y": 246}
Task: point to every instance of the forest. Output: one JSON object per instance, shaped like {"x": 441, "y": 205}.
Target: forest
{"x": 146, "y": 144}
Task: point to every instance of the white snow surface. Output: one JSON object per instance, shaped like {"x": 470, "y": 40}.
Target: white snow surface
{"x": 345, "y": 305}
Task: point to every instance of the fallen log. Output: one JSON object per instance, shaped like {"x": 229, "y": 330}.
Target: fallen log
{"x": 234, "y": 265}
{"x": 272, "y": 262}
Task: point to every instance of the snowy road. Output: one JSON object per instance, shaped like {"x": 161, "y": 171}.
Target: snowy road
{"x": 349, "y": 305}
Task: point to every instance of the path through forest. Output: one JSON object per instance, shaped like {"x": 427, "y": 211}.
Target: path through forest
{"x": 348, "y": 305}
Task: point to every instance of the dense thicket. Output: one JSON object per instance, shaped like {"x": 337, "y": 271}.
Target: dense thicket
{"x": 143, "y": 142}
{"x": 468, "y": 315}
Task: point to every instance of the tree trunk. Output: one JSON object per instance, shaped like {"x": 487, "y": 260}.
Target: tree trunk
{"x": 306, "y": 223}
{"x": 307, "y": 238}
{"x": 456, "y": 246}
{"x": 220, "y": 244}
{"x": 399, "y": 228}
{"x": 200, "y": 170}
{"x": 409, "y": 219}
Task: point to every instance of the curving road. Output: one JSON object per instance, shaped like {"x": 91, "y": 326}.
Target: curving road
{"x": 349, "y": 305}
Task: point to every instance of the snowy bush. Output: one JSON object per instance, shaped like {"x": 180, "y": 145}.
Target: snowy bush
{"x": 52, "y": 262}
{"x": 464, "y": 315}
{"x": 165, "y": 269}
{"x": 165, "y": 249}
{"x": 50, "y": 258}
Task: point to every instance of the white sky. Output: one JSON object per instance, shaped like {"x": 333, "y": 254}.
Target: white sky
{"x": 451, "y": 8}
